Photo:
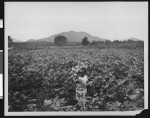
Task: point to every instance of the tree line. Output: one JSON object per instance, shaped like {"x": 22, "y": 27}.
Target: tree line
{"x": 62, "y": 41}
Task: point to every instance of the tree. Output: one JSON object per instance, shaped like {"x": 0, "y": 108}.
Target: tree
{"x": 60, "y": 40}
{"x": 85, "y": 41}
{"x": 107, "y": 42}
{"x": 94, "y": 43}
{"x": 116, "y": 41}
{"x": 10, "y": 40}
{"x": 140, "y": 44}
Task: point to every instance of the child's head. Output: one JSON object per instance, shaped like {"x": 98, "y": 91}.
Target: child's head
{"x": 82, "y": 72}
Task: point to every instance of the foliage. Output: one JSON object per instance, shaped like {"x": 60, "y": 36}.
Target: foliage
{"x": 10, "y": 40}
{"x": 43, "y": 80}
{"x": 94, "y": 44}
{"x": 60, "y": 40}
{"x": 140, "y": 44}
{"x": 85, "y": 41}
{"x": 129, "y": 44}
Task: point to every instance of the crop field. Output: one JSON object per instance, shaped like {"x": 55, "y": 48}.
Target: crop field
{"x": 43, "y": 79}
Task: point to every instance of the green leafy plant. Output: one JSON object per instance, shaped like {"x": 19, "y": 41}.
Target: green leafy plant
{"x": 43, "y": 80}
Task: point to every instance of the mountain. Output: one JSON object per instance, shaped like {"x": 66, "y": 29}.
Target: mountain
{"x": 17, "y": 40}
{"x": 72, "y": 36}
{"x": 31, "y": 40}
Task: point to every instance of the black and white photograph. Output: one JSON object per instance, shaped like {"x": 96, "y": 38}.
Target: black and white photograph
{"x": 76, "y": 58}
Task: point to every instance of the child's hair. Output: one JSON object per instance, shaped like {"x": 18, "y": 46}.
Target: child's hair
{"x": 82, "y": 71}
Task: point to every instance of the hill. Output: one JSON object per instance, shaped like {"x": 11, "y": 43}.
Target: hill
{"x": 134, "y": 39}
{"x": 17, "y": 40}
{"x": 72, "y": 36}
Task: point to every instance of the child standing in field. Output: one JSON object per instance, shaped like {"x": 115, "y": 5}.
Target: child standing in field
{"x": 81, "y": 87}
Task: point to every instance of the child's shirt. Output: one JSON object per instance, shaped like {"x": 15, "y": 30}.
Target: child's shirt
{"x": 81, "y": 89}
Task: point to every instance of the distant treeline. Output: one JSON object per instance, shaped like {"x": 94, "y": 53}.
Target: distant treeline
{"x": 61, "y": 41}
{"x": 129, "y": 44}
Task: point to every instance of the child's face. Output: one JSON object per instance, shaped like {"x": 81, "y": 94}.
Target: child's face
{"x": 82, "y": 72}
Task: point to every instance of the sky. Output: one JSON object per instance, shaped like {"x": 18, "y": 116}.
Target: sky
{"x": 110, "y": 20}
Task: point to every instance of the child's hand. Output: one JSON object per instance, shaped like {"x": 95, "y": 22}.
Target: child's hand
{"x": 90, "y": 83}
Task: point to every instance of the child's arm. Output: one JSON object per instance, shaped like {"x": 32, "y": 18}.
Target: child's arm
{"x": 89, "y": 82}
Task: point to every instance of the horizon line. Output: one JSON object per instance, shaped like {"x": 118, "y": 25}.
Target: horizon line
{"x": 26, "y": 40}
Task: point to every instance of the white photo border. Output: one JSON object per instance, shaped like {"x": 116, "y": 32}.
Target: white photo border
{"x": 84, "y": 113}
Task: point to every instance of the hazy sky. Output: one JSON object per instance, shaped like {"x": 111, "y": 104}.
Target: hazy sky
{"x": 111, "y": 20}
